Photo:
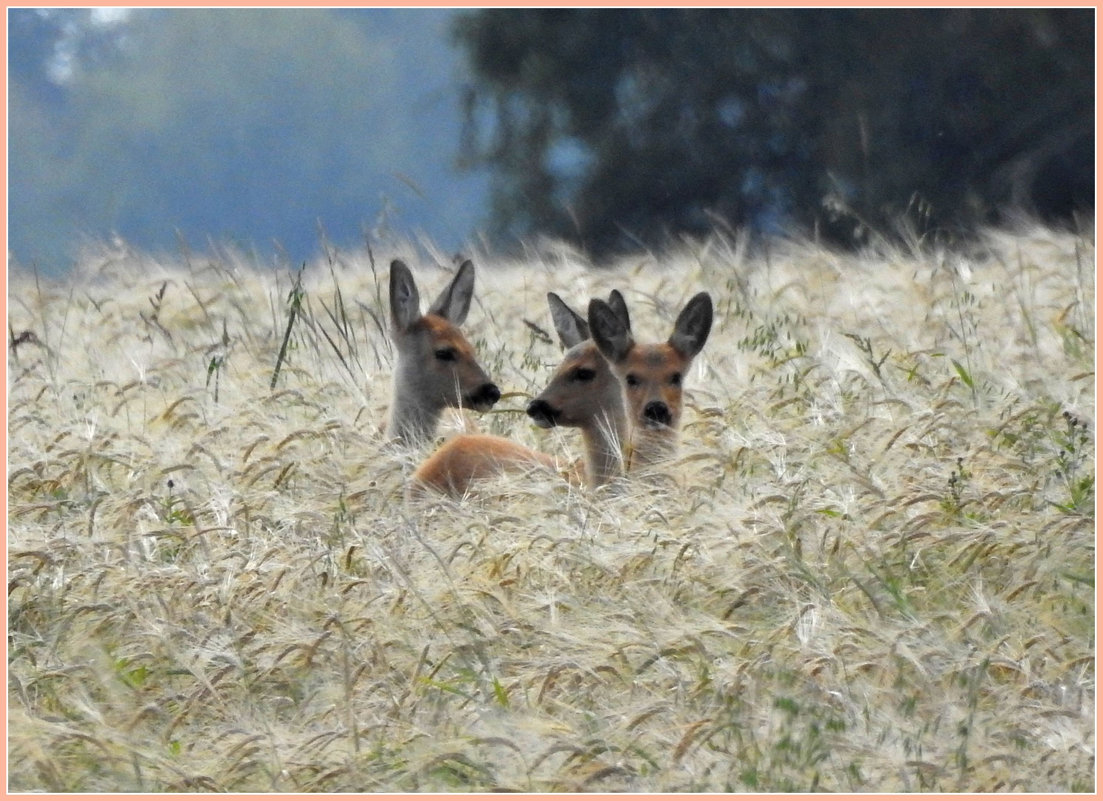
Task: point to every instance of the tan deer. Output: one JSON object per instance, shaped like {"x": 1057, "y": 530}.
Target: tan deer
{"x": 651, "y": 375}
{"x": 582, "y": 394}
{"x": 589, "y": 391}
{"x": 436, "y": 367}
{"x": 585, "y": 394}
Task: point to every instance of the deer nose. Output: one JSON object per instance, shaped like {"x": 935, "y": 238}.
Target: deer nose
{"x": 657, "y": 413}
{"x": 542, "y": 413}
{"x": 484, "y": 397}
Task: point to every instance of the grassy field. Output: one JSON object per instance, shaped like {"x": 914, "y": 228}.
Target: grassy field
{"x": 872, "y": 568}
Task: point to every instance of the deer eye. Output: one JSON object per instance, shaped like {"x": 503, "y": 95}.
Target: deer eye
{"x": 676, "y": 380}
{"x": 445, "y": 354}
{"x": 583, "y": 374}
{"x": 632, "y": 380}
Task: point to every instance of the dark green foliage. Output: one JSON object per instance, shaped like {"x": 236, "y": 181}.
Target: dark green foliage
{"x": 616, "y": 127}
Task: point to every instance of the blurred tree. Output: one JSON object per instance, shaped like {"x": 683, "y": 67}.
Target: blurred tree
{"x": 615, "y": 127}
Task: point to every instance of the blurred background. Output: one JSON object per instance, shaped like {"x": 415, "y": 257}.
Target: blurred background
{"x": 276, "y": 130}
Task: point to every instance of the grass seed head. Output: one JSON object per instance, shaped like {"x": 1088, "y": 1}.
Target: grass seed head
{"x": 870, "y": 568}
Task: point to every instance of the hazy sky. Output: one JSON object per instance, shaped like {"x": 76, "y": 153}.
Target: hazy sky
{"x": 254, "y": 127}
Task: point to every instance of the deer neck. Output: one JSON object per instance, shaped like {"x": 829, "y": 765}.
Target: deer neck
{"x": 652, "y": 446}
{"x": 604, "y": 444}
{"x": 412, "y": 422}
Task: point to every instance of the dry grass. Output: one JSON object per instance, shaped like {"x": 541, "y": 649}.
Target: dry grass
{"x": 873, "y": 569}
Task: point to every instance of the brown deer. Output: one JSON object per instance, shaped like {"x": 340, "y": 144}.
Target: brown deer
{"x": 436, "y": 367}
{"x": 585, "y": 394}
{"x": 589, "y": 391}
{"x": 582, "y": 394}
{"x": 651, "y": 375}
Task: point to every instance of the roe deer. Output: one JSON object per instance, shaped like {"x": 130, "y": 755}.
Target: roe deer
{"x": 651, "y": 375}
{"x": 466, "y": 458}
{"x": 583, "y": 394}
{"x": 436, "y": 366}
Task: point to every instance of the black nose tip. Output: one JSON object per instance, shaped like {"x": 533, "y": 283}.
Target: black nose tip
{"x": 486, "y": 395}
{"x": 542, "y": 412}
{"x": 657, "y": 413}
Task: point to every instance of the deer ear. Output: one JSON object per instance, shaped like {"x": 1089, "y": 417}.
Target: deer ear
{"x": 608, "y": 331}
{"x": 692, "y": 327}
{"x": 570, "y": 326}
{"x": 620, "y": 308}
{"x": 455, "y": 301}
{"x": 405, "y": 303}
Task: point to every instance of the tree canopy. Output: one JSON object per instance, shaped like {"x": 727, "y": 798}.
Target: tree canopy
{"x": 620, "y": 126}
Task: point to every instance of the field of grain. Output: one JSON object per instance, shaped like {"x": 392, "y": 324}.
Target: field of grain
{"x": 871, "y": 569}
